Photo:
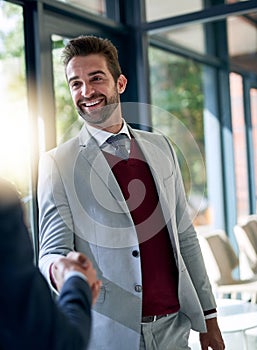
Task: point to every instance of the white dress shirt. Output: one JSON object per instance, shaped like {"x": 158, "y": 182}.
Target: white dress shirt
{"x": 101, "y": 136}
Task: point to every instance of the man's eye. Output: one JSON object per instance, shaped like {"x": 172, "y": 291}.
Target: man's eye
{"x": 75, "y": 84}
{"x": 97, "y": 78}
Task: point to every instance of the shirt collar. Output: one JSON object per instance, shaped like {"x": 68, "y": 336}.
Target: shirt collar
{"x": 101, "y": 135}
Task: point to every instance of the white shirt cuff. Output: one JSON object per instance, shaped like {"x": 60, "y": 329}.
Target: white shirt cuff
{"x": 213, "y": 315}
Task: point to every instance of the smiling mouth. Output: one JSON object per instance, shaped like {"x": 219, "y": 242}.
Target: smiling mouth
{"x": 91, "y": 103}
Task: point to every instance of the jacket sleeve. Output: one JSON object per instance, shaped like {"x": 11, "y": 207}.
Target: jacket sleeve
{"x": 55, "y": 220}
{"x": 188, "y": 243}
{"x": 75, "y": 302}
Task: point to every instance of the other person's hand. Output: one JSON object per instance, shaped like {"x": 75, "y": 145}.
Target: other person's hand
{"x": 75, "y": 261}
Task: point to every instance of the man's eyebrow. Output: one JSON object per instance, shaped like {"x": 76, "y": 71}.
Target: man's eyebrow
{"x": 73, "y": 78}
{"x": 89, "y": 74}
{"x": 97, "y": 72}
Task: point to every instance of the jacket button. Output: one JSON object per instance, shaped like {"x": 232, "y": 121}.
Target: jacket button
{"x": 135, "y": 253}
{"x": 138, "y": 288}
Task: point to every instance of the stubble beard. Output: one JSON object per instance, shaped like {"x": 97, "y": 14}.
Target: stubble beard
{"x": 100, "y": 115}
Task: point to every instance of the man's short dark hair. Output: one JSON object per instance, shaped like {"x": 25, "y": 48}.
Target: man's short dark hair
{"x": 88, "y": 44}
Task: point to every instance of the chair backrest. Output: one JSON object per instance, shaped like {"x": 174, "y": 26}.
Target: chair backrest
{"x": 224, "y": 255}
{"x": 246, "y": 236}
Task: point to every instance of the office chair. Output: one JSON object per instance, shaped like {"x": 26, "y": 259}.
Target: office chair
{"x": 246, "y": 236}
{"x": 221, "y": 263}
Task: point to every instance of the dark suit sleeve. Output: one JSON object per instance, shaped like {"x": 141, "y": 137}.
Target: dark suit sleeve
{"x": 75, "y": 301}
{"x": 29, "y": 317}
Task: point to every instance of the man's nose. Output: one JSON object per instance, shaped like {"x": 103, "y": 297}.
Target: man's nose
{"x": 87, "y": 90}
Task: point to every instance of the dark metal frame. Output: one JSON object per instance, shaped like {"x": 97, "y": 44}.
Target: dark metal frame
{"x": 247, "y": 85}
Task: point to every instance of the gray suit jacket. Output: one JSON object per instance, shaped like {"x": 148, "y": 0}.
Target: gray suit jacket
{"x": 82, "y": 207}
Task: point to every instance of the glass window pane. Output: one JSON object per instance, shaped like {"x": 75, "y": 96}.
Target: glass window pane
{"x": 14, "y": 131}
{"x": 176, "y": 87}
{"x": 94, "y": 6}
{"x": 190, "y": 37}
{"x": 68, "y": 123}
{"x": 253, "y": 99}
{"x": 242, "y": 42}
{"x": 240, "y": 149}
{"x": 160, "y": 9}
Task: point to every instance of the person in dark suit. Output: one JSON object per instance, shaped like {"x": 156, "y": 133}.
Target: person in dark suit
{"x": 29, "y": 318}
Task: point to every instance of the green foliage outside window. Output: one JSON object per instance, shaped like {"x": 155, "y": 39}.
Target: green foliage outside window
{"x": 176, "y": 86}
{"x": 68, "y": 123}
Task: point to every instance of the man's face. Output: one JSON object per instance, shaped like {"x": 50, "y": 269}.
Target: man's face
{"x": 93, "y": 89}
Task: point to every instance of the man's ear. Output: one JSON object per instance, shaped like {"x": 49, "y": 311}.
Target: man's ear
{"x": 121, "y": 83}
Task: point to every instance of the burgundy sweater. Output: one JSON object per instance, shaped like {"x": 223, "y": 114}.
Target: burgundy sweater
{"x": 159, "y": 270}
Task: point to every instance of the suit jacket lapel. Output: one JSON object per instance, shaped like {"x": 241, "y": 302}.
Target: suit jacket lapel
{"x": 99, "y": 165}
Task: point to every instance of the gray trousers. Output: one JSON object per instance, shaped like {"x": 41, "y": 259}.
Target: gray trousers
{"x": 167, "y": 333}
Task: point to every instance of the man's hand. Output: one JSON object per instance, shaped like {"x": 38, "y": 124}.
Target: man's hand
{"x": 213, "y": 337}
{"x": 75, "y": 261}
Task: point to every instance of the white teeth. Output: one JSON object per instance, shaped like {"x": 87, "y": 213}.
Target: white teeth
{"x": 89, "y": 104}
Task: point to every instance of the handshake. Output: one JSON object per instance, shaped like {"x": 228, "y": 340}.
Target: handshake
{"x": 75, "y": 262}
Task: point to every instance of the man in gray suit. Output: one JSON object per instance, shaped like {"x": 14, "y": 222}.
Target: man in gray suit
{"x": 121, "y": 201}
